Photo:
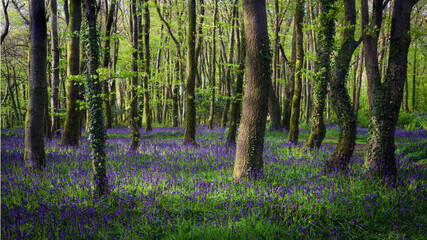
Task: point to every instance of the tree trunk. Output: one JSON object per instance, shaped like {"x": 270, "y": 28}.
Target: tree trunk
{"x": 71, "y": 134}
{"x": 341, "y": 103}
{"x": 55, "y": 128}
{"x": 237, "y": 99}
{"x": 224, "y": 118}
{"x": 190, "y": 115}
{"x": 385, "y": 97}
{"x": 94, "y": 102}
{"x": 273, "y": 100}
{"x": 133, "y": 125}
{"x": 250, "y": 145}
{"x": 147, "y": 75}
{"x": 325, "y": 38}
{"x": 414, "y": 77}
{"x": 296, "y": 98}
{"x": 213, "y": 69}
{"x": 106, "y": 64}
{"x": 34, "y": 154}
{"x": 359, "y": 83}
{"x": 6, "y": 17}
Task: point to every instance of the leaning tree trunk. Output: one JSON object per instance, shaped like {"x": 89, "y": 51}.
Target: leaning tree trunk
{"x": 190, "y": 115}
{"x": 296, "y": 98}
{"x": 237, "y": 99}
{"x": 385, "y": 97}
{"x": 71, "y": 134}
{"x": 341, "y": 103}
{"x": 133, "y": 123}
{"x": 34, "y": 154}
{"x": 248, "y": 162}
{"x": 94, "y": 102}
{"x": 325, "y": 39}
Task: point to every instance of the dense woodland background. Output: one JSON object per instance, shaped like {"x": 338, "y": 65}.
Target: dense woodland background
{"x": 167, "y": 53}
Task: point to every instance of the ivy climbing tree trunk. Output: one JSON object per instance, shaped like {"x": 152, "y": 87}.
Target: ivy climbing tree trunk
{"x": 296, "y": 98}
{"x": 147, "y": 74}
{"x": 341, "y": 103}
{"x": 237, "y": 99}
{"x": 71, "y": 134}
{"x": 248, "y": 161}
{"x": 325, "y": 39}
{"x": 213, "y": 68}
{"x": 34, "y": 154}
{"x": 190, "y": 115}
{"x": 133, "y": 123}
{"x": 106, "y": 64}
{"x": 94, "y": 101}
{"x": 385, "y": 97}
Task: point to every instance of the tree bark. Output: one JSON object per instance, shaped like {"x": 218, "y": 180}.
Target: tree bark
{"x": 71, "y": 134}
{"x": 296, "y": 98}
{"x": 106, "y": 64}
{"x": 414, "y": 77}
{"x": 213, "y": 68}
{"x": 237, "y": 99}
{"x": 133, "y": 124}
{"x": 147, "y": 74}
{"x": 224, "y": 118}
{"x": 6, "y": 17}
{"x": 385, "y": 97}
{"x": 359, "y": 84}
{"x": 190, "y": 115}
{"x": 55, "y": 128}
{"x": 94, "y": 102}
{"x": 34, "y": 154}
{"x": 341, "y": 103}
{"x": 248, "y": 161}
{"x": 326, "y": 42}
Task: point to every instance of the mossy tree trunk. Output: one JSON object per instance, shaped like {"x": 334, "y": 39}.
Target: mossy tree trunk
{"x": 107, "y": 64}
{"x": 296, "y": 98}
{"x": 325, "y": 39}
{"x": 133, "y": 113}
{"x": 147, "y": 72}
{"x": 341, "y": 103}
{"x": 190, "y": 115}
{"x": 71, "y": 134}
{"x": 213, "y": 68}
{"x": 248, "y": 161}
{"x": 238, "y": 95}
{"x": 385, "y": 97}
{"x": 94, "y": 101}
{"x": 34, "y": 154}
{"x": 290, "y": 84}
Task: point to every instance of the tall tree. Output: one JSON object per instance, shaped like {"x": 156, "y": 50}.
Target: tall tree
{"x": 296, "y": 98}
{"x": 190, "y": 116}
{"x": 133, "y": 123}
{"x": 34, "y": 154}
{"x": 55, "y": 128}
{"x": 224, "y": 118}
{"x": 147, "y": 73}
{"x": 237, "y": 98}
{"x": 325, "y": 40}
{"x": 94, "y": 101}
{"x": 106, "y": 64}
{"x": 213, "y": 68}
{"x": 341, "y": 103}
{"x": 71, "y": 134}
{"x": 248, "y": 161}
{"x": 385, "y": 96}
